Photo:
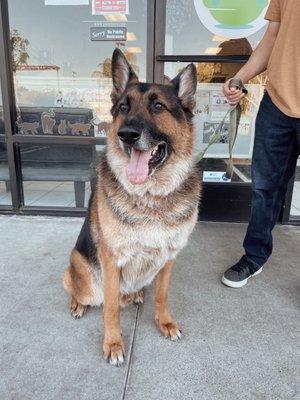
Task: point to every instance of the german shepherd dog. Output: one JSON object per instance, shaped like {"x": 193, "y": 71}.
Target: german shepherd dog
{"x": 144, "y": 205}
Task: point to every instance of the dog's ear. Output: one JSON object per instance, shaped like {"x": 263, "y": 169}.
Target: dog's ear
{"x": 167, "y": 81}
{"x": 185, "y": 84}
{"x": 122, "y": 74}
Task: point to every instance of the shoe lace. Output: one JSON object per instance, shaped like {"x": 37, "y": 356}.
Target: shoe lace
{"x": 243, "y": 265}
{"x": 240, "y": 267}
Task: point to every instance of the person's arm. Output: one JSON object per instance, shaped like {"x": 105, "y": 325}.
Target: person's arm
{"x": 256, "y": 64}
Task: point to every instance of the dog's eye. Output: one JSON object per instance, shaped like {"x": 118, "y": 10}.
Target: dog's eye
{"x": 158, "y": 106}
{"x": 123, "y": 108}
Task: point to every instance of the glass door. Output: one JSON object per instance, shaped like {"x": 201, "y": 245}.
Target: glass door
{"x": 218, "y": 43}
{"x": 61, "y": 65}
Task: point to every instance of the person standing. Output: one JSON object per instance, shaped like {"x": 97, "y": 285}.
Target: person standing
{"x": 277, "y": 133}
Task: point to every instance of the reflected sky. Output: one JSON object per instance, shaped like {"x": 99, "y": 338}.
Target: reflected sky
{"x": 60, "y": 35}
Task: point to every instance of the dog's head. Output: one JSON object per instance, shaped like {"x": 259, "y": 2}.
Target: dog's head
{"x": 152, "y": 136}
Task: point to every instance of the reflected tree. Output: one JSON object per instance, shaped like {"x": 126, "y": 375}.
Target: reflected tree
{"x": 107, "y": 68}
{"x": 19, "y": 47}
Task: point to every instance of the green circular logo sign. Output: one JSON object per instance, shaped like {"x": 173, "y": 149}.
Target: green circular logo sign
{"x": 232, "y": 18}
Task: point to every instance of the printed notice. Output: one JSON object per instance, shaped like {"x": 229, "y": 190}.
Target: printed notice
{"x": 100, "y": 7}
{"x": 108, "y": 33}
{"x": 215, "y": 176}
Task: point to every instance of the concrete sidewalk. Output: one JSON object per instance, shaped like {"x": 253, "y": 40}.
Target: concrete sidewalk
{"x": 237, "y": 344}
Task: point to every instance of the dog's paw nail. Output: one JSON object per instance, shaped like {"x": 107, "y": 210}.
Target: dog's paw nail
{"x": 176, "y": 336}
{"x": 114, "y": 354}
{"x": 170, "y": 330}
{"x": 117, "y": 361}
{"x": 77, "y": 310}
{"x": 138, "y": 297}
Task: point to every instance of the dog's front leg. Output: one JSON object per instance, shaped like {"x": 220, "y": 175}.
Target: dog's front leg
{"x": 113, "y": 346}
{"x": 165, "y": 323}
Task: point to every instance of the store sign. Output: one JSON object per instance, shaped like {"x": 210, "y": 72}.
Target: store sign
{"x": 232, "y": 19}
{"x": 100, "y": 7}
{"x": 108, "y": 33}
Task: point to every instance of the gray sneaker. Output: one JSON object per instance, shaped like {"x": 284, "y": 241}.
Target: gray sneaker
{"x": 238, "y": 275}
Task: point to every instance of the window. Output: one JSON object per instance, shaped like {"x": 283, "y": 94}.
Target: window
{"x": 195, "y": 27}
{"x": 62, "y": 72}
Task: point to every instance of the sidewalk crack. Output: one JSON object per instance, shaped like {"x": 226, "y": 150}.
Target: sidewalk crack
{"x": 130, "y": 353}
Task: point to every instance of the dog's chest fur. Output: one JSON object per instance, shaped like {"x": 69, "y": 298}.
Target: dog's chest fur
{"x": 146, "y": 232}
{"x": 146, "y": 250}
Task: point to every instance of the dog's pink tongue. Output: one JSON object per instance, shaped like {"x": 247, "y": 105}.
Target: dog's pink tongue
{"x": 138, "y": 168}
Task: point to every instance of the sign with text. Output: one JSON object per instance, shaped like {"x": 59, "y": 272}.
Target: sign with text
{"x": 100, "y": 7}
{"x": 215, "y": 176}
{"x": 108, "y": 33}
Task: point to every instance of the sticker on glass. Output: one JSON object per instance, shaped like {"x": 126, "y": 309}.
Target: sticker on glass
{"x": 232, "y": 19}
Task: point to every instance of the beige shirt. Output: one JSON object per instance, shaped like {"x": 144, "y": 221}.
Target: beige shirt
{"x": 284, "y": 64}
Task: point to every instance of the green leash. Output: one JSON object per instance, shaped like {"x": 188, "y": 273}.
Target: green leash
{"x": 234, "y": 120}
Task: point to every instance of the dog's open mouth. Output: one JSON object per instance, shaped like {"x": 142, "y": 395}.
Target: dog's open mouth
{"x": 141, "y": 163}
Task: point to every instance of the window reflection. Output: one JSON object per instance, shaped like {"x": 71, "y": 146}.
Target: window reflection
{"x": 5, "y": 193}
{"x": 295, "y": 207}
{"x": 5, "y": 197}
{"x": 186, "y": 34}
{"x": 211, "y": 106}
{"x": 58, "y": 175}
{"x": 58, "y": 66}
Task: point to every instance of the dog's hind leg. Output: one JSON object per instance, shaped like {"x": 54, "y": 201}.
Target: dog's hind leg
{"x": 83, "y": 283}
{"x": 77, "y": 309}
{"x": 128, "y": 299}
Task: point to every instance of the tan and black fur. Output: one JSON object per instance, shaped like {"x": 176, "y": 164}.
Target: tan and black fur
{"x": 136, "y": 224}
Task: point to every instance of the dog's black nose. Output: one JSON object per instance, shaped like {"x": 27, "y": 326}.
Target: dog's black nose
{"x": 129, "y": 135}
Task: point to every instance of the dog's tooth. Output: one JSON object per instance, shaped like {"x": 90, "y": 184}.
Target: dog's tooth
{"x": 154, "y": 151}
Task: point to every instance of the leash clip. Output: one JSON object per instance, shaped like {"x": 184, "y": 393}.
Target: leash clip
{"x": 237, "y": 83}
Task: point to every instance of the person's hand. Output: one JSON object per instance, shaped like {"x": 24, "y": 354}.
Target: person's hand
{"x": 233, "y": 95}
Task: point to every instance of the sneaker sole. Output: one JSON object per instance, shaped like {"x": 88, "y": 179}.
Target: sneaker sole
{"x": 239, "y": 284}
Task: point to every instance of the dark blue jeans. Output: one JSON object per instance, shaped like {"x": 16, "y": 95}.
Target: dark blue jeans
{"x": 275, "y": 153}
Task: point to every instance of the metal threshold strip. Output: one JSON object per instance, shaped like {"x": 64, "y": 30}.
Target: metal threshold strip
{"x": 203, "y": 58}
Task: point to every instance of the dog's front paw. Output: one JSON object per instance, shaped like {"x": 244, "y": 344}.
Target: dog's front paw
{"x": 169, "y": 329}
{"x": 113, "y": 352}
